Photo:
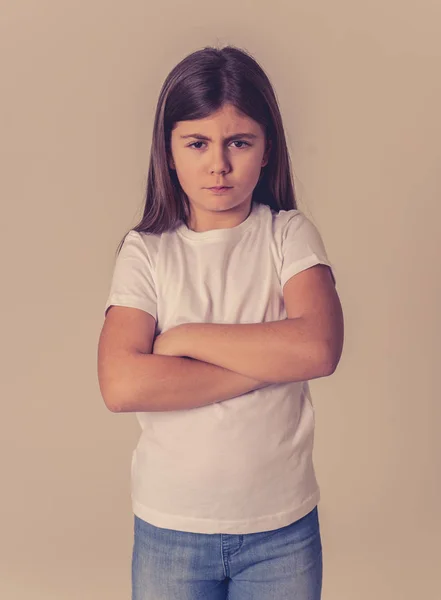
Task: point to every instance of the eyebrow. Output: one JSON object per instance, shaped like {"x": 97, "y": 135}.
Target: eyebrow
{"x": 199, "y": 136}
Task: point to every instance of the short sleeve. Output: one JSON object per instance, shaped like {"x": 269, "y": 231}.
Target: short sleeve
{"x": 302, "y": 246}
{"x": 133, "y": 281}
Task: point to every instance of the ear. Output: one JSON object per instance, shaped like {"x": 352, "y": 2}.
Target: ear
{"x": 266, "y": 154}
{"x": 171, "y": 163}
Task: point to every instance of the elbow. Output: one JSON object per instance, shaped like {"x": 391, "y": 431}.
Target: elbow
{"x": 113, "y": 400}
{"x": 114, "y": 407}
{"x": 330, "y": 358}
{"x": 328, "y": 369}
{"x": 120, "y": 383}
{"x": 113, "y": 404}
{"x": 124, "y": 401}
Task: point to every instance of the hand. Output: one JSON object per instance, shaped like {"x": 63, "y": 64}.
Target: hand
{"x": 168, "y": 343}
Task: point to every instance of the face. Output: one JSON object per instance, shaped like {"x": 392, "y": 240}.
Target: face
{"x": 212, "y": 152}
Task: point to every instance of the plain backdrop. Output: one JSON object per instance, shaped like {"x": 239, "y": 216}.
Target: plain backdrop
{"x": 359, "y": 87}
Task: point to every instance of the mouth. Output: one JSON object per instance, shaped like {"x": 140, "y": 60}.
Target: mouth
{"x": 220, "y": 187}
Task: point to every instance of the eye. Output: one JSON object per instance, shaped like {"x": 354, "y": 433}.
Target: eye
{"x": 234, "y": 142}
{"x": 191, "y": 145}
{"x": 240, "y": 142}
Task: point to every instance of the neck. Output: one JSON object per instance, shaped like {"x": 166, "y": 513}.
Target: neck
{"x": 226, "y": 219}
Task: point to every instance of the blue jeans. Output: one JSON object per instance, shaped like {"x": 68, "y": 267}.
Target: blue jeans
{"x": 282, "y": 564}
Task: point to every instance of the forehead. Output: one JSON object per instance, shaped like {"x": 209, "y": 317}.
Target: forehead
{"x": 227, "y": 119}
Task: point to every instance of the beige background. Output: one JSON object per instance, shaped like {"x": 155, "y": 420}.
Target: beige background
{"x": 359, "y": 86}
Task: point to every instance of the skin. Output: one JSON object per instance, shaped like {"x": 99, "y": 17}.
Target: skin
{"x": 200, "y": 164}
{"x": 308, "y": 343}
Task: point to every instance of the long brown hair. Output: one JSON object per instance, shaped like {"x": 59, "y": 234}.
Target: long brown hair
{"x": 196, "y": 87}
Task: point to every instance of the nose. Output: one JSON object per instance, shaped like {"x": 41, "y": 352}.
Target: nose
{"x": 218, "y": 161}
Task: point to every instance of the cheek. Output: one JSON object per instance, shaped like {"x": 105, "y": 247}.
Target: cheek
{"x": 188, "y": 176}
{"x": 185, "y": 169}
{"x": 251, "y": 169}
{"x": 188, "y": 164}
{"x": 252, "y": 163}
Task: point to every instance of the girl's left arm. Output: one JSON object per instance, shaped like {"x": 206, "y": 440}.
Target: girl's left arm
{"x": 306, "y": 345}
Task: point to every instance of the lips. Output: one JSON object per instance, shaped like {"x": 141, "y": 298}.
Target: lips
{"x": 220, "y": 187}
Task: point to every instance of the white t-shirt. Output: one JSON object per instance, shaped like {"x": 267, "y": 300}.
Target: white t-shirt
{"x": 243, "y": 465}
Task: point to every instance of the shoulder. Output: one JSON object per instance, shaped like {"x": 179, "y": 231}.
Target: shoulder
{"x": 138, "y": 251}
{"x": 285, "y": 218}
{"x": 142, "y": 241}
{"x": 287, "y": 223}
{"x": 137, "y": 237}
{"x": 278, "y": 217}
{"x": 297, "y": 235}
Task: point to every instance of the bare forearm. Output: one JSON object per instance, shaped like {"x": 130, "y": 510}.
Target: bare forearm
{"x": 278, "y": 351}
{"x": 165, "y": 383}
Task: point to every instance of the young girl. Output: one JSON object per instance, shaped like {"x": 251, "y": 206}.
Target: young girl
{"x": 223, "y": 307}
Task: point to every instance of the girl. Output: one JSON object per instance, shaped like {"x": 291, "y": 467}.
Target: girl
{"x": 223, "y": 307}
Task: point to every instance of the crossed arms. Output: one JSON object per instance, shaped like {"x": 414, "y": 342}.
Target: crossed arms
{"x": 210, "y": 362}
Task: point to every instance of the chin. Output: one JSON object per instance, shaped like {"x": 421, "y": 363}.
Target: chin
{"x": 222, "y": 204}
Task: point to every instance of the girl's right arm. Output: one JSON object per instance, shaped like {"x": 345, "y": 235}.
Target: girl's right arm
{"x": 131, "y": 378}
